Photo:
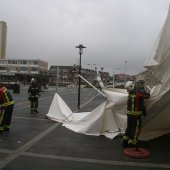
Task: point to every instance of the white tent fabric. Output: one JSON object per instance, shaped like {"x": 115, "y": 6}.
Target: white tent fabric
{"x": 109, "y": 118}
{"x": 161, "y": 55}
{"x": 101, "y": 121}
{"x": 157, "y": 121}
{"x": 59, "y": 111}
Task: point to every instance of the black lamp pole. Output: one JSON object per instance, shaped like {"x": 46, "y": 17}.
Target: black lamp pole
{"x": 125, "y": 78}
{"x": 80, "y": 52}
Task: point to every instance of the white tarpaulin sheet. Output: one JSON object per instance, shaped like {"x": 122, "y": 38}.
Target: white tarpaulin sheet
{"x": 109, "y": 118}
{"x": 157, "y": 121}
{"x": 100, "y": 121}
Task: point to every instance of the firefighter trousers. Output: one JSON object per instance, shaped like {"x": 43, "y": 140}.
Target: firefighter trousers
{"x": 133, "y": 129}
{"x": 6, "y": 118}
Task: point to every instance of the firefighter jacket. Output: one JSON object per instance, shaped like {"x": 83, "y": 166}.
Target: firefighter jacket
{"x": 5, "y": 98}
{"x": 135, "y": 103}
{"x": 33, "y": 92}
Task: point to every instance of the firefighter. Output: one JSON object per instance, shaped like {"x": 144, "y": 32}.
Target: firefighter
{"x": 7, "y": 105}
{"x": 135, "y": 111}
{"x": 34, "y": 94}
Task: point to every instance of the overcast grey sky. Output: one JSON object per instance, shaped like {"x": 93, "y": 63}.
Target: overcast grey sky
{"x": 114, "y": 31}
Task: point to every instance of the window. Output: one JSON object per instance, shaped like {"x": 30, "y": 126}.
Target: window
{"x": 12, "y": 61}
{"x": 4, "y": 61}
{"x": 34, "y": 69}
{"x": 35, "y": 62}
{"x": 23, "y": 68}
{"x": 24, "y": 61}
{"x": 52, "y": 67}
{"x": 2, "y": 68}
{"x": 13, "y": 69}
{"x": 19, "y": 61}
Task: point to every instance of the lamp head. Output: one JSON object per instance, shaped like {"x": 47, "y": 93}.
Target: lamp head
{"x": 80, "y": 48}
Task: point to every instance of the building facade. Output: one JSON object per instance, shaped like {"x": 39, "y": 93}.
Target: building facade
{"x": 3, "y": 39}
{"x": 15, "y": 68}
{"x": 104, "y": 76}
{"x": 69, "y": 74}
{"x": 121, "y": 79}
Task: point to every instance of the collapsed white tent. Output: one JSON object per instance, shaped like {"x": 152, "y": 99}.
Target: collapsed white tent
{"x": 100, "y": 121}
{"x": 109, "y": 118}
{"x": 157, "y": 121}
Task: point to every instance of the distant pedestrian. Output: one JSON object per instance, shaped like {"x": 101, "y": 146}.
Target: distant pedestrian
{"x": 135, "y": 111}
{"x": 34, "y": 94}
{"x": 6, "y": 109}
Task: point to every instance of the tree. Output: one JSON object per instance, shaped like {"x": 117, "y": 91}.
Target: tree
{"x": 42, "y": 79}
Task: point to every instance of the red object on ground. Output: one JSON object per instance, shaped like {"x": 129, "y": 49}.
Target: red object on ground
{"x": 138, "y": 153}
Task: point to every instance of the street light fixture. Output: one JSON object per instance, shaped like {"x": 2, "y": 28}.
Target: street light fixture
{"x": 80, "y": 47}
{"x": 102, "y": 69}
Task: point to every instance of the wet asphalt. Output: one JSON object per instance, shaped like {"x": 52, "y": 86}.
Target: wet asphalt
{"x": 37, "y": 143}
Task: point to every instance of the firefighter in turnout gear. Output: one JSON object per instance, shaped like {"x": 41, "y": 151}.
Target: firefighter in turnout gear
{"x": 34, "y": 94}
{"x": 135, "y": 111}
{"x": 6, "y": 109}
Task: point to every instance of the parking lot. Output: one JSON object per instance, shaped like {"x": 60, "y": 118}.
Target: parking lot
{"x": 37, "y": 143}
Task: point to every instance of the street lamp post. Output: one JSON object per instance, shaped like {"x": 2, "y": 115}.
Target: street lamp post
{"x": 80, "y": 47}
{"x": 125, "y": 72}
{"x": 57, "y": 78}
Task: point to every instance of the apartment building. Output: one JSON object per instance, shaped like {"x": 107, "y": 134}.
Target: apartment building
{"x": 69, "y": 74}
{"x": 21, "y": 67}
{"x": 3, "y": 39}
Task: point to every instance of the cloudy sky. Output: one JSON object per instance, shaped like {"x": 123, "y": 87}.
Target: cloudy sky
{"x": 114, "y": 31}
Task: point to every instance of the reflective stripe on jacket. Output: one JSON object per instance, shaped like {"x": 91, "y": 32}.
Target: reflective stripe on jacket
{"x": 135, "y": 103}
{"x": 33, "y": 91}
{"x": 5, "y": 98}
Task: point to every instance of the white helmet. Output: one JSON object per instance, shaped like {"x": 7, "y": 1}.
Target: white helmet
{"x": 32, "y": 80}
{"x": 129, "y": 86}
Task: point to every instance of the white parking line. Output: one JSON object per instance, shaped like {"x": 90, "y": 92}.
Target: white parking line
{"x": 97, "y": 161}
{"x": 30, "y": 143}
